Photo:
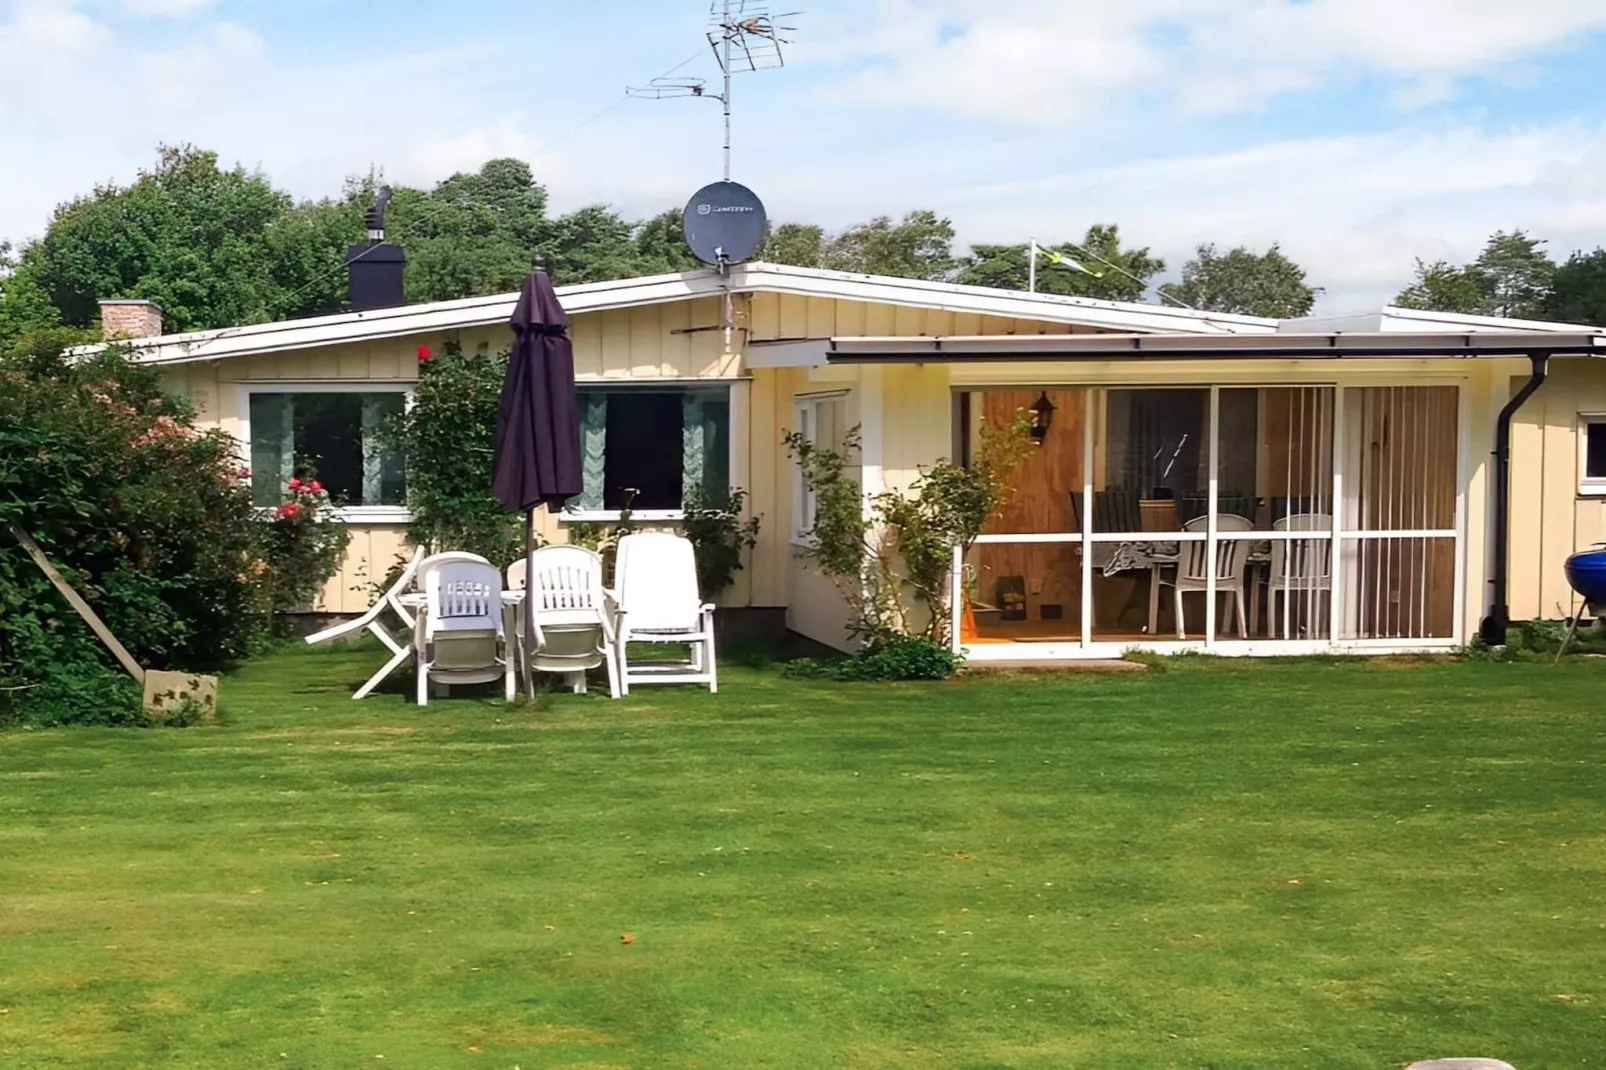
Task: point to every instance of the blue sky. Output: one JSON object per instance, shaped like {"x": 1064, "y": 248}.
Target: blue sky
{"x": 1359, "y": 134}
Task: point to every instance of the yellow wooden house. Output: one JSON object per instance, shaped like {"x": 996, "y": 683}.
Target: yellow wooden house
{"x": 1340, "y": 475}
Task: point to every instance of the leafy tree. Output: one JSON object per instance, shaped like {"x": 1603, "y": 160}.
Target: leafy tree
{"x": 217, "y": 247}
{"x": 1511, "y": 277}
{"x": 661, "y": 245}
{"x": 1443, "y": 287}
{"x": 798, "y": 244}
{"x": 1516, "y": 274}
{"x": 918, "y": 247}
{"x": 187, "y": 235}
{"x": 1084, "y": 270}
{"x": 1578, "y": 290}
{"x": 24, "y": 307}
{"x": 1239, "y": 280}
{"x": 589, "y": 245}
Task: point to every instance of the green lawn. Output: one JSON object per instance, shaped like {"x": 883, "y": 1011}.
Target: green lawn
{"x": 1294, "y": 864}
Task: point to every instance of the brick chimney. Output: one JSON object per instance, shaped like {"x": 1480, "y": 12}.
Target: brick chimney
{"x": 130, "y": 318}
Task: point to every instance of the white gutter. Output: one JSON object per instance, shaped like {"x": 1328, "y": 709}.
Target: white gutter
{"x": 1104, "y": 347}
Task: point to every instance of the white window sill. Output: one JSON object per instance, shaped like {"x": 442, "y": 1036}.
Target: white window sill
{"x": 604, "y": 516}
{"x": 356, "y": 514}
{"x": 374, "y": 514}
{"x": 1593, "y": 489}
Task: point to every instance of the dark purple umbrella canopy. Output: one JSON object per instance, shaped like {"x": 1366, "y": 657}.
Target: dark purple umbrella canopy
{"x": 538, "y": 425}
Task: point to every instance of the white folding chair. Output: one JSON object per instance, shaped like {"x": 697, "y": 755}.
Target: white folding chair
{"x": 656, "y": 576}
{"x": 573, "y": 631}
{"x": 460, "y": 638}
{"x": 1301, "y": 566}
{"x": 373, "y": 620}
{"x": 1193, "y": 567}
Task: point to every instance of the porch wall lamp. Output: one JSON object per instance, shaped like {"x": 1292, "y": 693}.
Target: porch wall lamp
{"x": 1042, "y": 414}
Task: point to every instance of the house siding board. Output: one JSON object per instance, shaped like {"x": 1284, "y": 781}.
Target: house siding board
{"x": 1560, "y": 481}
{"x": 1528, "y": 505}
{"x": 770, "y": 498}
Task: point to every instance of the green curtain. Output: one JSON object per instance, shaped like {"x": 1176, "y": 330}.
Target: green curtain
{"x": 593, "y": 449}
{"x": 273, "y": 442}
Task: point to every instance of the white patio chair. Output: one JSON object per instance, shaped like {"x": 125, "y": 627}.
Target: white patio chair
{"x": 460, "y": 638}
{"x": 658, "y": 602}
{"x": 1193, "y": 567}
{"x": 1302, "y": 566}
{"x": 373, "y": 620}
{"x": 573, "y": 631}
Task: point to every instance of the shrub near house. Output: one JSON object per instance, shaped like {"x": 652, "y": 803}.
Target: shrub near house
{"x": 150, "y": 518}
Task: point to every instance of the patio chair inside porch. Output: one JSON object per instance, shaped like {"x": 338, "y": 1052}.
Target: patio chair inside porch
{"x": 1193, "y": 571}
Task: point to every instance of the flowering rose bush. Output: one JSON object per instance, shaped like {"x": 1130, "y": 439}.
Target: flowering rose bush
{"x": 146, "y": 515}
{"x": 301, "y": 547}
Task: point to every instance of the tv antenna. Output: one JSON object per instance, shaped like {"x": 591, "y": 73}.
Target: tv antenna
{"x": 745, "y": 37}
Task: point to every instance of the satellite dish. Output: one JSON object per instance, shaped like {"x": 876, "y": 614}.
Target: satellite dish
{"x": 724, "y": 222}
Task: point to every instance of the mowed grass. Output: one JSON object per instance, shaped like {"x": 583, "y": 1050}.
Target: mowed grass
{"x": 1228, "y": 865}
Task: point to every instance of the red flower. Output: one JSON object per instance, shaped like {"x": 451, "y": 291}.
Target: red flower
{"x": 294, "y": 484}
{"x": 315, "y": 487}
{"x": 424, "y": 353}
{"x": 288, "y": 509}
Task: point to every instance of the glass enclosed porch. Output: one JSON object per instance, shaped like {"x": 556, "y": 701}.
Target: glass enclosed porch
{"x": 1239, "y": 519}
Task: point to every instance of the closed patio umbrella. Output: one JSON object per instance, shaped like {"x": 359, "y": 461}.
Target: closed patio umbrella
{"x": 537, "y": 426}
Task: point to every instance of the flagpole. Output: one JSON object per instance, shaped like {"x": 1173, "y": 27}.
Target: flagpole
{"x": 1031, "y": 271}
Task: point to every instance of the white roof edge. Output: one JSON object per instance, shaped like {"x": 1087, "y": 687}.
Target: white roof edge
{"x": 1404, "y": 344}
{"x": 312, "y": 332}
{"x": 1415, "y": 320}
{"x": 1456, "y": 320}
{"x": 283, "y": 335}
{"x": 986, "y": 300}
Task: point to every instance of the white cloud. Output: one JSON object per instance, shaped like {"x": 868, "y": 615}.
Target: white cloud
{"x": 1054, "y": 62}
{"x": 1354, "y": 210}
{"x": 167, "y": 8}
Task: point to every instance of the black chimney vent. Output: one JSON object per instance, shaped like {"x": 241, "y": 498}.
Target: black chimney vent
{"x": 377, "y": 267}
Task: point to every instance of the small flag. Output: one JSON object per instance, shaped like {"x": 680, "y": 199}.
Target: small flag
{"x": 1061, "y": 260}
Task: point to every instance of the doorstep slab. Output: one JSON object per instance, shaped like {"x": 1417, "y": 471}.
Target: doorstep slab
{"x": 1110, "y": 665}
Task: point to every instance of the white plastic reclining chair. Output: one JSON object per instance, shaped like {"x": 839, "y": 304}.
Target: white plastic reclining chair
{"x": 573, "y": 631}
{"x": 656, "y": 576}
{"x": 374, "y": 621}
{"x": 460, "y": 638}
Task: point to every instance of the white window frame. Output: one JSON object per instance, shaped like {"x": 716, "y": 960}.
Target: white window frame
{"x": 350, "y": 514}
{"x": 806, "y": 421}
{"x": 1589, "y": 487}
{"x": 596, "y": 516}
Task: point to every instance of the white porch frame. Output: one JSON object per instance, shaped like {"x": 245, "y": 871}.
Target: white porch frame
{"x": 1090, "y": 648}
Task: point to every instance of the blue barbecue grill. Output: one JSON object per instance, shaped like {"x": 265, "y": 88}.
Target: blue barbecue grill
{"x": 1586, "y": 572}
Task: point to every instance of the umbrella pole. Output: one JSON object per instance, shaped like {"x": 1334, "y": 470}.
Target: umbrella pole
{"x": 528, "y": 655}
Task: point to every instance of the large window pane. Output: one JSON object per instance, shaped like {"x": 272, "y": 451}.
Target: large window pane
{"x": 333, "y": 436}
{"x": 654, "y": 449}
